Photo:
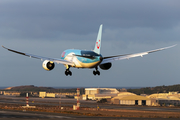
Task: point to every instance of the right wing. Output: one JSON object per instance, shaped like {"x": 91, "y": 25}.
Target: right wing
{"x": 127, "y": 56}
{"x": 56, "y": 60}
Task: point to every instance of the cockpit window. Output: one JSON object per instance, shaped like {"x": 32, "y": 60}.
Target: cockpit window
{"x": 89, "y": 53}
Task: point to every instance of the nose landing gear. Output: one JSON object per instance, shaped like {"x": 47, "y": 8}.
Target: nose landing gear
{"x": 96, "y": 71}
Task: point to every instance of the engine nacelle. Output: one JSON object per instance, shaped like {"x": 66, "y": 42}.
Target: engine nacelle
{"x": 48, "y": 65}
{"x": 105, "y": 66}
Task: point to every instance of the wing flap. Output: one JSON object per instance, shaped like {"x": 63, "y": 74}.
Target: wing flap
{"x": 56, "y": 60}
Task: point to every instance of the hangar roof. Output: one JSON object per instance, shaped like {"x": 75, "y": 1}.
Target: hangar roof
{"x": 100, "y": 88}
{"x": 125, "y": 93}
{"x": 131, "y": 97}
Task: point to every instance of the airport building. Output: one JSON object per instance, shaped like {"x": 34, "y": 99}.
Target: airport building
{"x": 127, "y": 98}
{"x": 171, "y": 98}
{"x": 53, "y": 95}
{"x": 13, "y": 93}
{"x": 99, "y": 93}
{"x": 113, "y": 96}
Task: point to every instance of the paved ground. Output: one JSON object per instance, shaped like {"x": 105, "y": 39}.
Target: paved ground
{"x": 9, "y": 115}
{"x": 27, "y": 115}
{"x": 70, "y": 102}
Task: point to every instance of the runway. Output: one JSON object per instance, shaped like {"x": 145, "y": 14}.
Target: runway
{"x": 69, "y": 102}
{"x": 9, "y": 115}
{"x": 88, "y": 110}
{"x": 27, "y": 115}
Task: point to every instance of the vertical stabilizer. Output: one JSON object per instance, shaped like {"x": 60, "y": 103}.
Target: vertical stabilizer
{"x": 98, "y": 41}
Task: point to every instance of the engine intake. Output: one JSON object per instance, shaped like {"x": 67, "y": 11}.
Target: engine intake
{"x": 105, "y": 66}
{"x": 48, "y": 65}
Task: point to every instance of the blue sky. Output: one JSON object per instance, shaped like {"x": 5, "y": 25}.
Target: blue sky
{"x": 47, "y": 28}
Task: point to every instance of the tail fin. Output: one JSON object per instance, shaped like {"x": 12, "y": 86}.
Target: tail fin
{"x": 98, "y": 41}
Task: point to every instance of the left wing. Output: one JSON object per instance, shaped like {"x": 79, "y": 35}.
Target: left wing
{"x": 56, "y": 60}
{"x": 127, "y": 56}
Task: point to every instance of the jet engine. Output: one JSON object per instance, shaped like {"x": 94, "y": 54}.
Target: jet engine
{"x": 48, "y": 65}
{"x": 105, "y": 66}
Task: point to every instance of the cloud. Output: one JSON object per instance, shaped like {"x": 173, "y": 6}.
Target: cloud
{"x": 51, "y": 19}
{"x": 47, "y": 28}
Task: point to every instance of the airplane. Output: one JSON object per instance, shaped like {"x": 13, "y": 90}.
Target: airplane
{"x": 85, "y": 59}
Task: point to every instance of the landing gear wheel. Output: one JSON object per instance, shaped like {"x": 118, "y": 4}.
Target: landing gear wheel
{"x": 67, "y": 72}
{"x": 70, "y": 73}
{"x": 96, "y": 72}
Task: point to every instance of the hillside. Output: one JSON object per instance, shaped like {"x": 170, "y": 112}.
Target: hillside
{"x": 32, "y": 88}
{"x": 29, "y": 88}
{"x": 157, "y": 89}
{"x": 146, "y": 90}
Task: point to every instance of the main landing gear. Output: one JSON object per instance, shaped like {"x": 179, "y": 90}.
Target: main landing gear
{"x": 68, "y": 72}
{"x": 96, "y": 72}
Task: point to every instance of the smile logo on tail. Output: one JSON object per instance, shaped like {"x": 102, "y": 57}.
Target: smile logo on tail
{"x": 98, "y": 45}
{"x": 62, "y": 55}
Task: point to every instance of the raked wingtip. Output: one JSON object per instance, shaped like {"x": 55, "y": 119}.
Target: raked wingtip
{"x": 4, "y": 47}
{"x": 173, "y": 45}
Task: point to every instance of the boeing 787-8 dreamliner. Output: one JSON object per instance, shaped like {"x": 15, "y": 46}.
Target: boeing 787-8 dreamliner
{"x": 84, "y": 59}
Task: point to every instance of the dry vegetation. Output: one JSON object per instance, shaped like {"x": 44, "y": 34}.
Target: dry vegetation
{"x": 95, "y": 112}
